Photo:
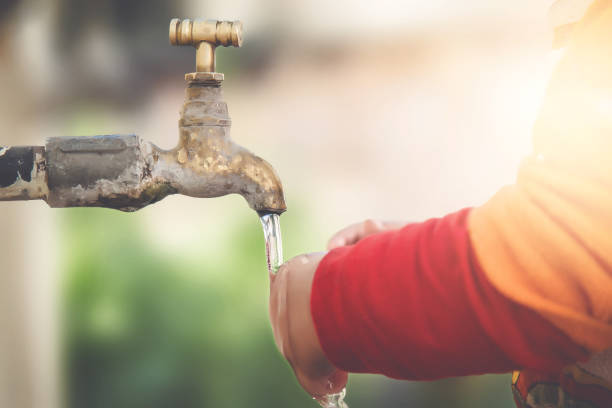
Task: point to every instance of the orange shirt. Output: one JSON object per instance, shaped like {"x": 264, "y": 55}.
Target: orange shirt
{"x": 546, "y": 241}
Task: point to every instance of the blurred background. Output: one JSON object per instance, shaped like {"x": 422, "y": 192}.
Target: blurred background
{"x": 392, "y": 110}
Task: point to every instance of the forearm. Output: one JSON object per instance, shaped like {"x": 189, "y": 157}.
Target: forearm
{"x": 526, "y": 283}
{"x": 415, "y": 304}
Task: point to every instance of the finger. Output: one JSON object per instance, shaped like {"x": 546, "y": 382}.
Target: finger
{"x": 293, "y": 276}
{"x": 337, "y": 381}
{"x": 356, "y": 232}
{"x": 346, "y": 236}
{"x": 371, "y": 227}
{"x": 391, "y": 225}
{"x": 320, "y": 387}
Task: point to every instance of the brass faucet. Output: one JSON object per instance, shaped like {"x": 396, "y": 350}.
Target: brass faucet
{"x": 127, "y": 173}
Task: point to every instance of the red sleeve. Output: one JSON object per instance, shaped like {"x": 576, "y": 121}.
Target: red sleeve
{"x": 415, "y": 304}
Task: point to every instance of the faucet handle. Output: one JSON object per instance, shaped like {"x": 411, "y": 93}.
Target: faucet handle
{"x": 205, "y": 36}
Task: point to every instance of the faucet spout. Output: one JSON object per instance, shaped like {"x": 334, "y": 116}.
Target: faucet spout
{"x": 207, "y": 162}
{"x": 127, "y": 173}
{"x": 212, "y": 167}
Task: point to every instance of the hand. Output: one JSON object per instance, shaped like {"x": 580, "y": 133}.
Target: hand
{"x": 356, "y": 232}
{"x": 294, "y": 330}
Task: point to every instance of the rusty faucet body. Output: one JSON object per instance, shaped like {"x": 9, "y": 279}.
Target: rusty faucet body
{"x": 127, "y": 173}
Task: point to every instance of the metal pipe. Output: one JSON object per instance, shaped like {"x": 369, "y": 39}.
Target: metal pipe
{"x": 205, "y": 35}
{"x": 205, "y": 57}
{"x": 112, "y": 171}
{"x": 22, "y": 173}
{"x": 127, "y": 173}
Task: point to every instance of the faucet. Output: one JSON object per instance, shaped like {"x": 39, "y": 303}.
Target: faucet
{"x": 127, "y": 173}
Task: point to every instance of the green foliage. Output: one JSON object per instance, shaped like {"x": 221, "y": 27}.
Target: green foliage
{"x": 144, "y": 329}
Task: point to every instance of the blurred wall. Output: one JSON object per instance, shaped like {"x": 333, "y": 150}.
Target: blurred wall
{"x": 28, "y": 314}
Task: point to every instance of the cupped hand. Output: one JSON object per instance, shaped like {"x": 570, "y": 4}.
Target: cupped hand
{"x": 294, "y": 330}
{"x": 356, "y": 232}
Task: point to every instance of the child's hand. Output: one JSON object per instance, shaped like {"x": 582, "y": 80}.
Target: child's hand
{"x": 356, "y": 232}
{"x": 291, "y": 319}
{"x": 294, "y": 330}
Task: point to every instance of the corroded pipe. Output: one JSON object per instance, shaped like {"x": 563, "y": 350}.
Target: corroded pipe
{"x": 127, "y": 173}
{"x": 206, "y": 152}
{"x": 22, "y": 173}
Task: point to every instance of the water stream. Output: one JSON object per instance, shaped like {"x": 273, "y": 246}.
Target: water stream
{"x": 274, "y": 255}
{"x": 274, "y": 241}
